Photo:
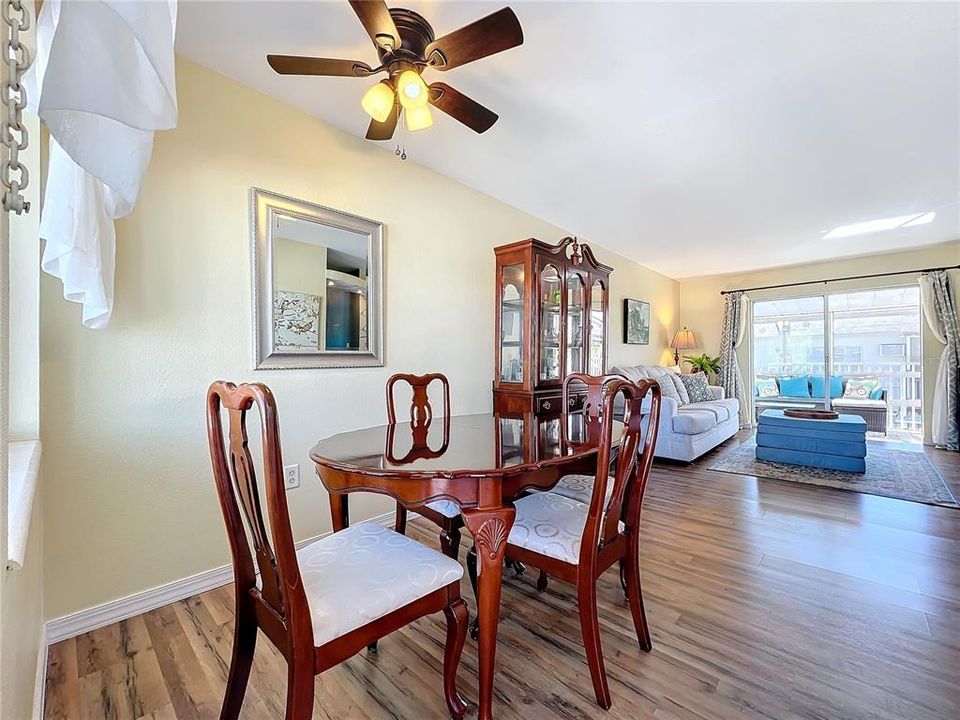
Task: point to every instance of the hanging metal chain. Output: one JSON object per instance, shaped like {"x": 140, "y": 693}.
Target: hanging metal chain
{"x": 13, "y": 133}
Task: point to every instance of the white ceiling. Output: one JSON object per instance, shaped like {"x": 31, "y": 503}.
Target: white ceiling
{"x": 693, "y": 138}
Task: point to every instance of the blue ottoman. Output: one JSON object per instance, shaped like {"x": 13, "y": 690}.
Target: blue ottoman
{"x": 839, "y": 444}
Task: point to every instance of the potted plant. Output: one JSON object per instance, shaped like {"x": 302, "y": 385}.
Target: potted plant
{"x": 710, "y": 366}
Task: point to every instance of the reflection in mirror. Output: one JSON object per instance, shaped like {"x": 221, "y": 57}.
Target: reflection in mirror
{"x": 320, "y": 286}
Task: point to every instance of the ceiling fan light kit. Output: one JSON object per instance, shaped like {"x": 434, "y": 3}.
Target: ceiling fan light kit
{"x": 418, "y": 118}
{"x": 378, "y": 101}
{"x": 406, "y": 46}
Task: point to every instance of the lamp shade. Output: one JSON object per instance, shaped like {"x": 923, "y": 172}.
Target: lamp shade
{"x": 684, "y": 340}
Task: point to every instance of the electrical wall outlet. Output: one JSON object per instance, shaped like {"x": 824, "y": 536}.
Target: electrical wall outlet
{"x": 291, "y": 476}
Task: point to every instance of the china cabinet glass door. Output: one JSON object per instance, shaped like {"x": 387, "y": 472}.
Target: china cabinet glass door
{"x": 597, "y": 330}
{"x": 551, "y": 293}
{"x": 575, "y": 325}
{"x": 511, "y": 324}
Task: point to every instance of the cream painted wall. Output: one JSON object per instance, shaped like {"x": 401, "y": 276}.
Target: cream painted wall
{"x": 22, "y": 627}
{"x": 701, "y": 307}
{"x": 130, "y": 502}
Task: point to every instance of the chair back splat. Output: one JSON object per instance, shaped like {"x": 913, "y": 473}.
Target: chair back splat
{"x": 421, "y": 412}
{"x": 280, "y": 601}
{"x": 626, "y": 464}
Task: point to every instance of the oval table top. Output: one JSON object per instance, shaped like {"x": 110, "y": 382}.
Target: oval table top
{"x": 484, "y": 444}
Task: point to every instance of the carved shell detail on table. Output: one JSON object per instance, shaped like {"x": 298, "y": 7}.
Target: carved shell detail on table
{"x": 491, "y": 536}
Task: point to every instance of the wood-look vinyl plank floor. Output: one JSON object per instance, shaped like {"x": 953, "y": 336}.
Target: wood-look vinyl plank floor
{"x": 767, "y": 600}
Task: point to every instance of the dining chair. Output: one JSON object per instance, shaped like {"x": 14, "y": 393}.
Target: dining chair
{"x": 577, "y": 541}
{"x": 443, "y": 513}
{"x": 325, "y": 602}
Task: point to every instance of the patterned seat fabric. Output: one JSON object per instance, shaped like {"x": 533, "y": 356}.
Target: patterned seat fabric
{"x": 579, "y": 488}
{"x": 551, "y": 525}
{"x": 365, "y": 572}
{"x": 447, "y": 508}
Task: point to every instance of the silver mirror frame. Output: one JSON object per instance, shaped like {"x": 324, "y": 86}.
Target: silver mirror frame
{"x": 264, "y": 205}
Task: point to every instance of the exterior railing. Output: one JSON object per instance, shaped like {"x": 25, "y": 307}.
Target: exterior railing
{"x": 901, "y": 380}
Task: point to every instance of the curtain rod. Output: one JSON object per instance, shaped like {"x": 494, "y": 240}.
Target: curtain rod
{"x": 840, "y": 279}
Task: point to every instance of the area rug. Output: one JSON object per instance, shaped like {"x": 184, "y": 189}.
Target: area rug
{"x": 890, "y": 473}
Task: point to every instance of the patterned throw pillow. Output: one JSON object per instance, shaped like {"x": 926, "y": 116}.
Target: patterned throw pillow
{"x": 767, "y": 387}
{"x": 860, "y": 388}
{"x": 697, "y": 387}
{"x": 667, "y": 388}
{"x": 681, "y": 388}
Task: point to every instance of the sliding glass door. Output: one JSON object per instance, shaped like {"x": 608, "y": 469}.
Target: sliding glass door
{"x": 789, "y": 353}
{"x": 876, "y": 351}
{"x": 853, "y": 351}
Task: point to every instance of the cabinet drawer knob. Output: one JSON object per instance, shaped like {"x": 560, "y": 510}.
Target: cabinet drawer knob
{"x": 546, "y": 404}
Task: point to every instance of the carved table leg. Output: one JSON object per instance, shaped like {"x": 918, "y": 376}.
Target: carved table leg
{"x": 339, "y": 511}
{"x": 490, "y": 529}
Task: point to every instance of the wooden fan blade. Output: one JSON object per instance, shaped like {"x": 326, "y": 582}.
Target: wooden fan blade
{"x": 458, "y": 106}
{"x": 376, "y": 20}
{"x": 487, "y": 36}
{"x": 384, "y": 130}
{"x": 295, "y": 65}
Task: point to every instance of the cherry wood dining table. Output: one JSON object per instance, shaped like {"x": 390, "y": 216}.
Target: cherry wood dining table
{"x": 480, "y": 462}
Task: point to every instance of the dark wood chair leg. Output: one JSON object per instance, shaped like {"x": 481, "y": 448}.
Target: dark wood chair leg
{"x": 635, "y": 597}
{"x": 472, "y": 573}
{"x": 372, "y": 647}
{"x": 244, "y": 644}
{"x": 450, "y": 543}
{"x": 590, "y": 627}
{"x": 457, "y": 620}
{"x": 518, "y": 567}
{"x": 300, "y": 678}
{"x": 542, "y": 581}
{"x": 623, "y": 577}
{"x": 400, "y": 525}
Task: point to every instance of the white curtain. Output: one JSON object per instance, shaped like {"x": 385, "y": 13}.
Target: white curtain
{"x": 731, "y": 337}
{"x": 103, "y": 83}
{"x": 941, "y": 316}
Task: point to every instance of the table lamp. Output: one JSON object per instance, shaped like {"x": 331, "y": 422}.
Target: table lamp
{"x": 683, "y": 340}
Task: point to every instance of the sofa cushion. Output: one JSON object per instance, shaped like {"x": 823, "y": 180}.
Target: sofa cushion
{"x": 767, "y": 387}
{"x": 633, "y": 373}
{"x": 816, "y": 386}
{"x": 855, "y": 403}
{"x": 698, "y": 389}
{"x": 692, "y": 421}
{"x": 668, "y": 388}
{"x": 795, "y": 387}
{"x": 860, "y": 388}
{"x": 678, "y": 383}
{"x": 719, "y": 408}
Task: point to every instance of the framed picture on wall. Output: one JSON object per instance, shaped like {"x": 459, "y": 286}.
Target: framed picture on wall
{"x": 636, "y": 322}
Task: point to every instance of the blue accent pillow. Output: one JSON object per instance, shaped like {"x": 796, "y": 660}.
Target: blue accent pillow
{"x": 836, "y": 386}
{"x": 796, "y": 387}
{"x": 877, "y": 394}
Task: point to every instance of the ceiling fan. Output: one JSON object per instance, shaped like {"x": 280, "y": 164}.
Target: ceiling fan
{"x": 407, "y": 46}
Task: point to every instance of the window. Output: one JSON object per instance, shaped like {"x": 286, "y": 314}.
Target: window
{"x": 893, "y": 350}
{"x": 848, "y": 353}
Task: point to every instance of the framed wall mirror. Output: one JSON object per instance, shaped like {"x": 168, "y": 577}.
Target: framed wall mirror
{"x": 317, "y": 285}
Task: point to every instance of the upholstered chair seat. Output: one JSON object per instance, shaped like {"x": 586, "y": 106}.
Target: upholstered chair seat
{"x": 447, "y": 508}
{"x": 364, "y": 572}
{"x": 579, "y": 488}
{"x": 551, "y": 525}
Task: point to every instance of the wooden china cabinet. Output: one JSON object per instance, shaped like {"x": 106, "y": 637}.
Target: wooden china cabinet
{"x": 551, "y": 320}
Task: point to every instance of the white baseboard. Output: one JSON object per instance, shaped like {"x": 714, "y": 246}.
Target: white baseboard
{"x": 99, "y": 616}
